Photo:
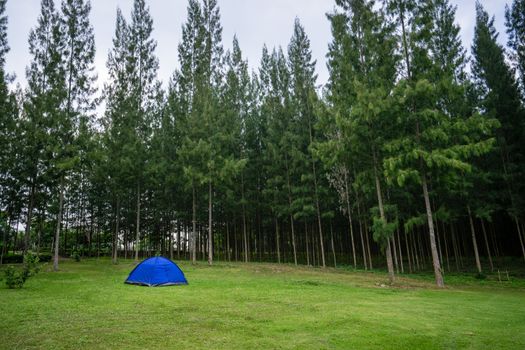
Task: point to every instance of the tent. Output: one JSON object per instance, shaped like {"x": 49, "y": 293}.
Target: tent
{"x": 156, "y": 272}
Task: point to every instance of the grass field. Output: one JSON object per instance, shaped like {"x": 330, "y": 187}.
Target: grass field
{"x": 257, "y": 306}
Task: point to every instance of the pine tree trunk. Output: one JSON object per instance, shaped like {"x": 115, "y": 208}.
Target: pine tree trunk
{"x": 474, "y": 241}
{"x": 363, "y": 244}
{"x": 228, "y": 241}
{"x": 29, "y": 217}
{"x": 433, "y": 248}
{"x": 368, "y": 247}
{"x": 400, "y": 252}
{"x": 410, "y": 258}
{"x": 115, "y": 235}
{"x": 194, "y": 227}
{"x": 170, "y": 239}
{"x": 59, "y": 222}
{"x": 487, "y": 245}
{"x": 444, "y": 233}
{"x": 455, "y": 246}
{"x": 137, "y": 227}
{"x": 291, "y": 216}
{"x": 347, "y": 197}
{"x": 277, "y": 238}
{"x": 361, "y": 234}
{"x": 388, "y": 250}
{"x": 210, "y": 225}
{"x": 439, "y": 244}
{"x": 332, "y": 241}
{"x": 244, "y": 235}
{"x": 307, "y": 246}
{"x": 520, "y": 236}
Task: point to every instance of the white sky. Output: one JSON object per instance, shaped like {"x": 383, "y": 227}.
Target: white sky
{"x": 254, "y": 21}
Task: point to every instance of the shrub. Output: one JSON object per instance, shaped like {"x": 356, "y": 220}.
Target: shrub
{"x": 45, "y": 257}
{"x": 15, "y": 278}
{"x": 75, "y": 254}
{"x": 13, "y": 259}
{"x": 481, "y": 276}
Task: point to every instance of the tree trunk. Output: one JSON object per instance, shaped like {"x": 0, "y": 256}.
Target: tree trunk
{"x": 332, "y": 241}
{"x": 361, "y": 234}
{"x": 394, "y": 248}
{"x": 194, "y": 228}
{"x": 59, "y": 222}
{"x": 455, "y": 246}
{"x": 433, "y": 248}
{"x": 410, "y": 258}
{"x": 347, "y": 196}
{"x": 487, "y": 244}
{"x": 307, "y": 245}
{"x": 29, "y": 217}
{"x": 277, "y": 238}
{"x": 388, "y": 250}
{"x": 137, "y": 227}
{"x": 520, "y": 236}
{"x": 400, "y": 252}
{"x": 443, "y": 231}
{"x": 228, "y": 241}
{"x": 367, "y": 238}
{"x": 474, "y": 242}
{"x": 210, "y": 225}
{"x": 115, "y": 235}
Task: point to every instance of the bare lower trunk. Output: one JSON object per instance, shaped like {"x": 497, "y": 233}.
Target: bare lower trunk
{"x": 394, "y": 249}
{"x": 228, "y": 241}
{"x": 244, "y": 234}
{"x": 332, "y": 241}
{"x": 29, "y": 218}
{"x": 210, "y": 225}
{"x": 361, "y": 234}
{"x": 115, "y": 235}
{"x": 444, "y": 233}
{"x": 433, "y": 247}
{"x": 474, "y": 241}
{"x": 400, "y": 252}
{"x": 321, "y": 244}
{"x": 277, "y": 238}
{"x": 137, "y": 228}
{"x": 410, "y": 258}
{"x": 520, "y": 236}
{"x": 59, "y": 222}
{"x": 307, "y": 245}
{"x": 350, "y": 224}
{"x": 368, "y": 248}
{"x": 388, "y": 250}
{"x": 487, "y": 244}
{"x": 194, "y": 227}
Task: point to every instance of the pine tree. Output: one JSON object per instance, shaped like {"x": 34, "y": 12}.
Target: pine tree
{"x": 143, "y": 66}
{"x": 515, "y": 23}
{"x": 442, "y": 141}
{"x": 119, "y": 127}
{"x": 304, "y": 99}
{"x": 364, "y": 34}
{"x": 48, "y": 130}
{"x": 499, "y": 98}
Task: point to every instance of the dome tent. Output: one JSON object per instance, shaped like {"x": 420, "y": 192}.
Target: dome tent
{"x": 156, "y": 272}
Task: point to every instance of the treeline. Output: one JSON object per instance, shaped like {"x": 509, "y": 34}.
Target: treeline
{"x": 405, "y": 156}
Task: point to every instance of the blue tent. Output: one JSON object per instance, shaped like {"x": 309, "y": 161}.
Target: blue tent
{"x": 155, "y": 272}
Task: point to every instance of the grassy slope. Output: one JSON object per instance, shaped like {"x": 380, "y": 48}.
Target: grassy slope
{"x": 86, "y": 305}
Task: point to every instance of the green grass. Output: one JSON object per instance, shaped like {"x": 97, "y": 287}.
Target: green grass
{"x": 257, "y": 306}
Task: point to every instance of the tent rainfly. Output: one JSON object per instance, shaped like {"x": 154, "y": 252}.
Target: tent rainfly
{"x": 156, "y": 272}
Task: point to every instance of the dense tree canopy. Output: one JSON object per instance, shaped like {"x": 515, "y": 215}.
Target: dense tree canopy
{"x": 406, "y": 159}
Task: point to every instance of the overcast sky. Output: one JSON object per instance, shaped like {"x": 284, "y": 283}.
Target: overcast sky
{"x": 254, "y": 21}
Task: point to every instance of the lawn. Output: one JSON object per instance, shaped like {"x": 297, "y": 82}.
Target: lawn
{"x": 257, "y": 306}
